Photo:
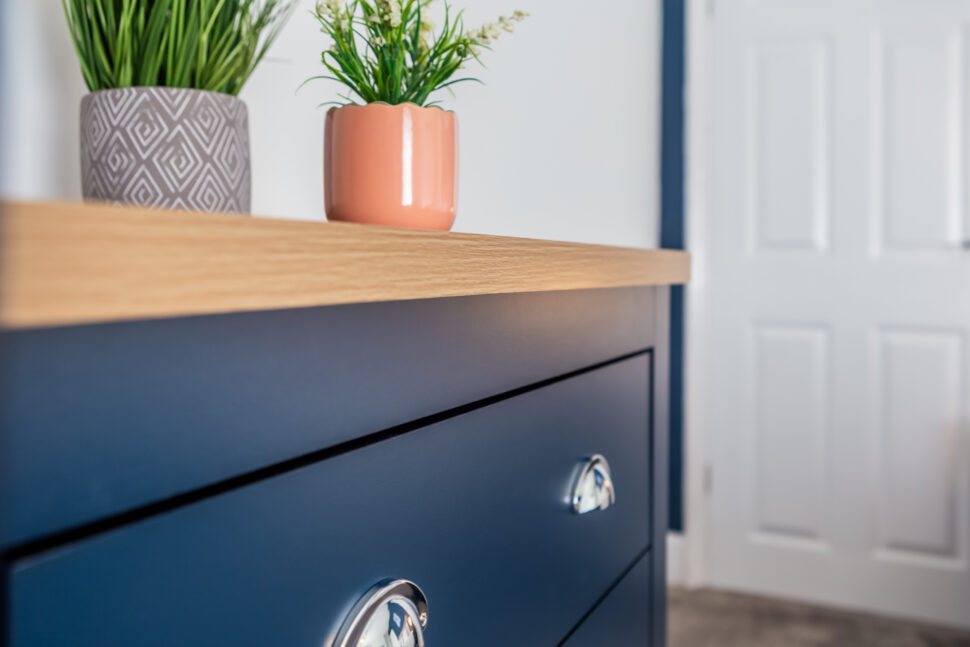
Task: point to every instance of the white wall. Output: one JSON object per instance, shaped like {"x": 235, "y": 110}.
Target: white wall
{"x": 561, "y": 142}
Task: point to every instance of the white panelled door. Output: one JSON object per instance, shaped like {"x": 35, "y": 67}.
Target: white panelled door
{"x": 838, "y": 392}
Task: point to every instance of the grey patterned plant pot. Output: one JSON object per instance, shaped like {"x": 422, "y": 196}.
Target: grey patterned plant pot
{"x": 166, "y": 147}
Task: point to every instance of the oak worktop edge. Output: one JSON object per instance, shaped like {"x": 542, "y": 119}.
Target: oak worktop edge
{"x": 72, "y": 263}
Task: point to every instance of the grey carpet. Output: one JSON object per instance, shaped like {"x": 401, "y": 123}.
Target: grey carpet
{"x": 706, "y": 618}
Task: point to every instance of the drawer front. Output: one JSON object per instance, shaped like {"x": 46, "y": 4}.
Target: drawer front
{"x": 623, "y": 618}
{"x": 472, "y": 509}
{"x": 99, "y": 420}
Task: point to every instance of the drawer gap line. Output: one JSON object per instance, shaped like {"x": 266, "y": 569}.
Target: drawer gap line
{"x": 606, "y": 594}
{"x": 106, "y": 524}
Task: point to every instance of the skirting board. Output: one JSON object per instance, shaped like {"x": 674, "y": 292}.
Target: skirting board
{"x": 676, "y": 559}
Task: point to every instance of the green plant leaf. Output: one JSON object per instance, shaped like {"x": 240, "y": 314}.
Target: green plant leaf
{"x": 204, "y": 44}
{"x": 392, "y": 59}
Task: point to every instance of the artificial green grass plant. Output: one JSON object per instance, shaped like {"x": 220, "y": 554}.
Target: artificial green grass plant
{"x": 387, "y": 50}
{"x": 203, "y": 44}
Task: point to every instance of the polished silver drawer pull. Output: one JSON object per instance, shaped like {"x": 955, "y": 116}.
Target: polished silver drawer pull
{"x": 592, "y": 487}
{"x": 393, "y": 613}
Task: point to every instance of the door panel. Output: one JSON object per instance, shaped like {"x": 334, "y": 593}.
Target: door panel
{"x": 791, "y": 395}
{"x": 915, "y": 112}
{"x": 840, "y": 303}
{"x": 918, "y": 378}
{"x": 787, "y": 112}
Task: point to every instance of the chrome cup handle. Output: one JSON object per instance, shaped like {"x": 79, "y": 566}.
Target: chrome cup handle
{"x": 592, "y": 487}
{"x": 393, "y": 613}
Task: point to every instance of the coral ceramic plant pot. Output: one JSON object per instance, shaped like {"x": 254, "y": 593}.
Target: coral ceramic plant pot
{"x": 391, "y": 165}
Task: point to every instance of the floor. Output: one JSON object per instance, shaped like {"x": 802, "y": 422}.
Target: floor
{"x": 705, "y": 618}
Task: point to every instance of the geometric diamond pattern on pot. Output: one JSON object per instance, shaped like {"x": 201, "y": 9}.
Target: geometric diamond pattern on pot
{"x": 116, "y": 166}
{"x": 146, "y": 129}
{"x": 209, "y": 117}
{"x": 177, "y": 162}
{"x": 167, "y": 147}
{"x": 119, "y": 104}
{"x": 96, "y": 131}
{"x": 173, "y": 101}
{"x": 144, "y": 190}
{"x": 206, "y": 191}
{"x": 228, "y": 159}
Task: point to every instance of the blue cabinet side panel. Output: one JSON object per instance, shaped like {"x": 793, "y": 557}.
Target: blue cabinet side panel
{"x": 659, "y": 446}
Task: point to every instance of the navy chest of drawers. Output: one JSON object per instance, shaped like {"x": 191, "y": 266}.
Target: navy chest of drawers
{"x": 245, "y": 478}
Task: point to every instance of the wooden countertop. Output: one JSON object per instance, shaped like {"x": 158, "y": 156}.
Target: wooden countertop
{"x": 63, "y": 264}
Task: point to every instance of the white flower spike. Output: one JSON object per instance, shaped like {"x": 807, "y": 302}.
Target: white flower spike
{"x": 390, "y": 51}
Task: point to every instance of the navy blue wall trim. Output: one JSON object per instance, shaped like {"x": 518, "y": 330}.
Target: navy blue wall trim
{"x": 672, "y": 230}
